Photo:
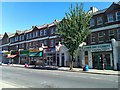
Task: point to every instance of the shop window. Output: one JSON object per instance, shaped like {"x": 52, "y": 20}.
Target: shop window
{"x": 100, "y": 37}
{"x": 92, "y": 22}
{"x": 118, "y": 15}
{"x": 99, "y": 20}
{"x": 111, "y": 34}
{"x": 110, "y": 17}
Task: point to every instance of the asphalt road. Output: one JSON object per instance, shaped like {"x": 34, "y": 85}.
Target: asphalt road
{"x": 34, "y": 78}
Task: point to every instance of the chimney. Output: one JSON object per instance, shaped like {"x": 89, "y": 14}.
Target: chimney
{"x": 93, "y": 9}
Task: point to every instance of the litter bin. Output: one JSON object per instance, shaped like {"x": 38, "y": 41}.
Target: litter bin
{"x": 85, "y": 68}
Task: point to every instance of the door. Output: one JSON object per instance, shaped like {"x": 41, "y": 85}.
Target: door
{"x": 62, "y": 58}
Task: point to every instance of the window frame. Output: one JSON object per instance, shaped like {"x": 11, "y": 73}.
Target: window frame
{"x": 117, "y": 16}
{"x": 99, "y": 20}
{"x": 109, "y": 17}
{"x": 92, "y": 22}
{"x": 100, "y": 36}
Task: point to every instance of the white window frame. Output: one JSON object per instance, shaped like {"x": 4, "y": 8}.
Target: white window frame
{"x": 109, "y": 17}
{"x": 27, "y": 36}
{"x": 52, "y": 43}
{"x": 111, "y": 34}
{"x": 100, "y": 36}
{"x": 45, "y": 42}
{"x": 92, "y": 22}
{"x": 117, "y": 15}
{"x": 99, "y": 19}
{"x": 41, "y": 32}
{"x": 45, "y": 32}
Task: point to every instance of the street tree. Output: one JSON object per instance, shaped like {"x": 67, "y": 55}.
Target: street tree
{"x": 74, "y": 29}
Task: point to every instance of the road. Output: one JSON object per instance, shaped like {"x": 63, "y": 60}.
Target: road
{"x": 36, "y": 78}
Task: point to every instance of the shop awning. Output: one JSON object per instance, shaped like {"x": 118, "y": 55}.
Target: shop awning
{"x": 11, "y": 56}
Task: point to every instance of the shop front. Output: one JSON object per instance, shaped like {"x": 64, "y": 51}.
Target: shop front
{"x": 4, "y": 57}
{"x": 36, "y": 57}
{"x": 100, "y": 56}
{"x": 50, "y": 56}
{"x": 16, "y": 57}
{"x": 24, "y": 56}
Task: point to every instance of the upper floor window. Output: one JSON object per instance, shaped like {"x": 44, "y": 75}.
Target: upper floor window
{"x": 22, "y": 37}
{"x": 23, "y": 45}
{"x": 110, "y": 17}
{"x": 51, "y": 43}
{"x": 36, "y": 33}
{"x": 30, "y": 35}
{"x": 118, "y": 33}
{"x": 52, "y": 31}
{"x": 92, "y": 22}
{"x": 99, "y": 20}
{"x": 27, "y": 46}
{"x": 101, "y": 36}
{"x": 27, "y": 36}
{"x": 41, "y": 32}
{"x": 16, "y": 38}
{"x": 93, "y": 38}
{"x": 111, "y": 34}
{"x": 45, "y": 32}
{"x": 45, "y": 42}
{"x": 118, "y": 15}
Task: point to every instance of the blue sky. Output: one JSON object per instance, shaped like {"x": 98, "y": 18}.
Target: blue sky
{"x": 24, "y": 15}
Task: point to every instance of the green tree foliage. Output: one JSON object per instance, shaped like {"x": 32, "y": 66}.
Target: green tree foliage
{"x": 74, "y": 28}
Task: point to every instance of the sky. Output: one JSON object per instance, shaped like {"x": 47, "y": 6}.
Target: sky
{"x": 24, "y": 15}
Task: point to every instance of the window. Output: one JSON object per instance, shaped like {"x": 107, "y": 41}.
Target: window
{"x": 52, "y": 31}
{"x": 23, "y": 45}
{"x": 110, "y": 17}
{"x": 36, "y": 34}
{"x": 118, "y": 34}
{"x": 26, "y": 36}
{"x": 100, "y": 36}
{"x": 45, "y": 42}
{"x": 52, "y": 43}
{"x": 45, "y": 32}
{"x": 93, "y": 38}
{"x": 22, "y": 37}
{"x": 41, "y": 32}
{"x": 99, "y": 20}
{"x": 118, "y": 15}
{"x": 111, "y": 34}
{"x": 56, "y": 42}
{"x": 30, "y": 35}
{"x": 16, "y": 38}
{"x": 41, "y": 43}
{"x": 26, "y": 45}
{"x": 92, "y": 22}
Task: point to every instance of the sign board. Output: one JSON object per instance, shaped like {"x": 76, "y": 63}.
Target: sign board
{"x": 97, "y": 48}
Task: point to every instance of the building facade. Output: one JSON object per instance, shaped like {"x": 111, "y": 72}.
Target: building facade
{"x": 101, "y": 50}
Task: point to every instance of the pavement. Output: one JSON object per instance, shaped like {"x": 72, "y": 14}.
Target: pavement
{"x": 91, "y": 71}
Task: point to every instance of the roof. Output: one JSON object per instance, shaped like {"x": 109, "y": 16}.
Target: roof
{"x": 27, "y": 31}
{"x": 53, "y": 23}
{"x": 100, "y": 11}
{"x": 42, "y": 26}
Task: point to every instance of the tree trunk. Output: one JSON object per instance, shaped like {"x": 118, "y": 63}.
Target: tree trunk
{"x": 71, "y": 63}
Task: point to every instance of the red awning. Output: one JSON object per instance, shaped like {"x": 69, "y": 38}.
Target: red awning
{"x": 11, "y": 56}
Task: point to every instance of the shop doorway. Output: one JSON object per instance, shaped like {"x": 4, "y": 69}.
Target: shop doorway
{"x": 62, "y": 59}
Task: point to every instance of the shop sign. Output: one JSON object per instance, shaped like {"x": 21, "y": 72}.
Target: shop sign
{"x": 34, "y": 50}
{"x": 24, "y": 52}
{"x": 96, "y": 48}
